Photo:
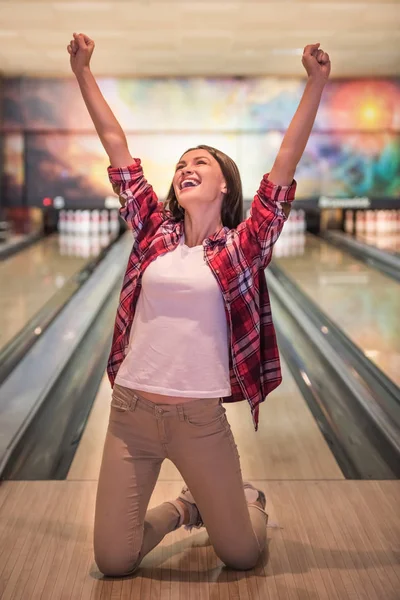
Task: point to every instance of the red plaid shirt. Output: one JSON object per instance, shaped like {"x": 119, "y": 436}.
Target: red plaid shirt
{"x": 237, "y": 258}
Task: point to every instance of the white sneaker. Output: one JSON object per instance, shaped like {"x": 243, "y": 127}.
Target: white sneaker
{"x": 253, "y": 494}
{"x": 195, "y": 520}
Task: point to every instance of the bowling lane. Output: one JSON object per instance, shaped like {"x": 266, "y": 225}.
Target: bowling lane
{"x": 363, "y": 302}
{"x": 31, "y": 277}
{"x": 288, "y": 444}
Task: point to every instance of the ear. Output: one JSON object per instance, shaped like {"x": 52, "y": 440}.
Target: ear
{"x": 224, "y": 188}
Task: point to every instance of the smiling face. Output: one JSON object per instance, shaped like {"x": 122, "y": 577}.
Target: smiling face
{"x": 198, "y": 178}
{"x": 216, "y": 188}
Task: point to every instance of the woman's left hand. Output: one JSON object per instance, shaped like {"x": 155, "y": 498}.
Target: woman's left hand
{"x": 316, "y": 62}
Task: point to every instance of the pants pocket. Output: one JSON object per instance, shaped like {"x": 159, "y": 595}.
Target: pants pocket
{"x": 119, "y": 401}
{"x": 206, "y": 417}
{"x": 119, "y": 405}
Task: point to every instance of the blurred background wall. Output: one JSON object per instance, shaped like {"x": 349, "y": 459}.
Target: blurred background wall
{"x": 50, "y": 148}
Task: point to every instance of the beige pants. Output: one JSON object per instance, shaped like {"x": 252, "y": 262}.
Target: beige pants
{"x": 197, "y": 438}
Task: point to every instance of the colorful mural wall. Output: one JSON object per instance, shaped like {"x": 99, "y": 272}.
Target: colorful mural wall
{"x": 51, "y": 147}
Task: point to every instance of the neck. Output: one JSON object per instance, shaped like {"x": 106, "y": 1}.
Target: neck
{"x": 197, "y": 231}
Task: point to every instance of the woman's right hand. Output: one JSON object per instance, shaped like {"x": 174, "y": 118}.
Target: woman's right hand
{"x": 80, "y": 50}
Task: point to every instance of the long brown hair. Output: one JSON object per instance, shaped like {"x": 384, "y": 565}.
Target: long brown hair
{"x": 232, "y": 205}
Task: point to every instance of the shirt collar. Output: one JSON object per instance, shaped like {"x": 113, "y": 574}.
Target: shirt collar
{"x": 219, "y": 237}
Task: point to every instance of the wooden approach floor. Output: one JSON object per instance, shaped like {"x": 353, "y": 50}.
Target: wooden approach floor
{"x": 332, "y": 539}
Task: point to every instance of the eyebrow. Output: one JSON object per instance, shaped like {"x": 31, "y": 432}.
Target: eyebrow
{"x": 197, "y": 158}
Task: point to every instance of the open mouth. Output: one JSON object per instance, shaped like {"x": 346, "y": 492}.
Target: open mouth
{"x": 189, "y": 183}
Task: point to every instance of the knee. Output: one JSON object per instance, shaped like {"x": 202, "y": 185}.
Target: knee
{"x": 241, "y": 565}
{"x": 241, "y": 562}
{"x": 113, "y": 565}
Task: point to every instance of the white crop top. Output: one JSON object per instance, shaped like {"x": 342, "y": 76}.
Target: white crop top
{"x": 178, "y": 343}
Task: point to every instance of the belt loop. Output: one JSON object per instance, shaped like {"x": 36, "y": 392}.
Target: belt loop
{"x": 181, "y": 413}
{"x": 134, "y": 402}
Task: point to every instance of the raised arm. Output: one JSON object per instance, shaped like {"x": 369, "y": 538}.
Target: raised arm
{"x": 138, "y": 200}
{"x": 317, "y": 64}
{"x": 271, "y": 205}
{"x": 109, "y": 130}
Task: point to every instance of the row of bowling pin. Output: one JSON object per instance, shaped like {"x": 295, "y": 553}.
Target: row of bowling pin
{"x": 84, "y": 245}
{"x": 372, "y": 221}
{"x": 88, "y": 221}
{"x": 291, "y": 244}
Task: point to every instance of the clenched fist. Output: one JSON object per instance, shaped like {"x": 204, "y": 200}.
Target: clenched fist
{"x": 316, "y": 62}
{"x": 80, "y": 50}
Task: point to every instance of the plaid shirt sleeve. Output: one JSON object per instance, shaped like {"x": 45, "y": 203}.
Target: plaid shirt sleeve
{"x": 140, "y": 200}
{"x": 267, "y": 218}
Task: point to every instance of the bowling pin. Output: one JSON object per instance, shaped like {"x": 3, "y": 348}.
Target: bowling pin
{"x": 85, "y": 228}
{"x": 70, "y": 221}
{"x": 368, "y": 221}
{"x": 61, "y": 221}
{"x": 387, "y": 221}
{"x": 114, "y": 221}
{"x": 360, "y": 222}
{"x": 348, "y": 221}
{"x": 95, "y": 221}
{"x": 78, "y": 221}
{"x": 390, "y": 222}
{"x": 104, "y": 221}
{"x": 373, "y": 221}
{"x": 394, "y": 219}
{"x": 379, "y": 222}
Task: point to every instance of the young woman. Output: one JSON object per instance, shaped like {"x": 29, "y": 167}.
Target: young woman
{"x": 193, "y": 330}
